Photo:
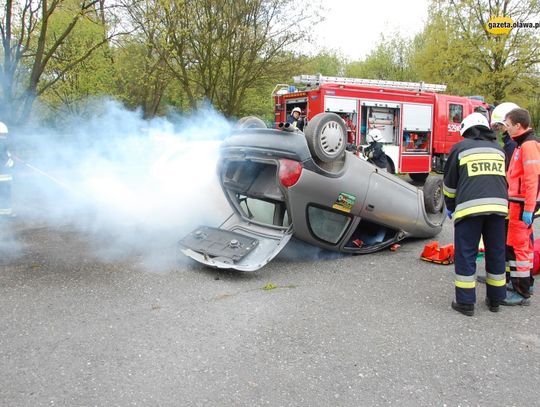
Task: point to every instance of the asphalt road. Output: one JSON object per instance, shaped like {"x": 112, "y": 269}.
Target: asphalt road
{"x": 83, "y": 326}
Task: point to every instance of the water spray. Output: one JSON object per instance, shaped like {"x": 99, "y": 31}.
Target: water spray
{"x": 43, "y": 173}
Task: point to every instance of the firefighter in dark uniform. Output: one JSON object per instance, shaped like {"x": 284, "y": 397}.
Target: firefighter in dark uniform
{"x": 295, "y": 119}
{"x": 497, "y": 124}
{"x": 482, "y": 110}
{"x": 476, "y": 198}
{"x": 374, "y": 152}
{"x": 6, "y": 177}
{"x": 524, "y": 191}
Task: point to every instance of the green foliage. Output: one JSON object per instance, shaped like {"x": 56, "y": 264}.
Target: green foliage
{"x": 258, "y": 100}
{"x": 141, "y": 77}
{"x": 457, "y": 49}
{"x": 390, "y": 60}
{"x": 326, "y": 62}
{"x": 180, "y": 53}
{"x": 46, "y": 43}
{"x": 92, "y": 77}
{"x": 218, "y": 51}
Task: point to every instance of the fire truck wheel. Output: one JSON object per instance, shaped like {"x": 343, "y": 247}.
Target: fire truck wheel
{"x": 433, "y": 194}
{"x": 250, "y": 122}
{"x": 326, "y": 136}
{"x": 419, "y": 176}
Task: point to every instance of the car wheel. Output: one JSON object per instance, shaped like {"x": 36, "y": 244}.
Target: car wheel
{"x": 326, "y": 135}
{"x": 419, "y": 177}
{"x": 250, "y": 122}
{"x": 433, "y": 194}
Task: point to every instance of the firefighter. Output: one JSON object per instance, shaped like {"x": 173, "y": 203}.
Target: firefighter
{"x": 476, "y": 198}
{"x": 374, "y": 152}
{"x": 497, "y": 124}
{"x": 295, "y": 119}
{"x": 6, "y": 163}
{"x": 482, "y": 110}
{"x": 523, "y": 185}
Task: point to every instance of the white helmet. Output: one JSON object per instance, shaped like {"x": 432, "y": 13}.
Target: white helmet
{"x": 474, "y": 119}
{"x": 374, "y": 135}
{"x": 296, "y": 109}
{"x": 3, "y": 131}
{"x": 500, "y": 112}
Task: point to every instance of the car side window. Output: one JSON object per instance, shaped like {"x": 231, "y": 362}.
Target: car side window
{"x": 327, "y": 225}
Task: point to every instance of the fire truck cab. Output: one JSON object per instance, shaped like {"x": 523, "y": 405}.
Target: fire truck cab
{"x": 419, "y": 125}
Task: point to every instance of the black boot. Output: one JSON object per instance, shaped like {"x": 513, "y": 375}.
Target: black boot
{"x": 493, "y": 305}
{"x": 465, "y": 309}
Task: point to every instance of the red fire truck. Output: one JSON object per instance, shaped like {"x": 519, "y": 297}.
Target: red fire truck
{"x": 419, "y": 125}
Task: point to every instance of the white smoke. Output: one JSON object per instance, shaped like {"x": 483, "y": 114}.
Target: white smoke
{"x": 130, "y": 184}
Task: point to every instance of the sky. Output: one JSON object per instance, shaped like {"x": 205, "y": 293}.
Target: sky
{"x": 354, "y": 26}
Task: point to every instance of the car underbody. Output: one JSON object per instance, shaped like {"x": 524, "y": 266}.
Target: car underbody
{"x": 277, "y": 186}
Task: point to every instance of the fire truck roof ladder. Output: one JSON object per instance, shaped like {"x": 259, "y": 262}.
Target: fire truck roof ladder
{"x": 314, "y": 80}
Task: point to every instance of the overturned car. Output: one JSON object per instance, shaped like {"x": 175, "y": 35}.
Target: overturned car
{"x": 283, "y": 182}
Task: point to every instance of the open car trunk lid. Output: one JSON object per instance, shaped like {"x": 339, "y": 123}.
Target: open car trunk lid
{"x": 260, "y": 226}
{"x": 236, "y": 244}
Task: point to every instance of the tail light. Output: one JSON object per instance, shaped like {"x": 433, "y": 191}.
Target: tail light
{"x": 289, "y": 172}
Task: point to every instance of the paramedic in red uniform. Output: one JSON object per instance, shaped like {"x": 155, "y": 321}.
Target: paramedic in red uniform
{"x": 523, "y": 174}
{"x": 476, "y": 197}
{"x": 497, "y": 124}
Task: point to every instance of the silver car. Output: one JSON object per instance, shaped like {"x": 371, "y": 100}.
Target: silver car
{"x": 283, "y": 182}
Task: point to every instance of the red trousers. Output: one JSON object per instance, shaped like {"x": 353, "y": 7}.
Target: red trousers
{"x": 519, "y": 250}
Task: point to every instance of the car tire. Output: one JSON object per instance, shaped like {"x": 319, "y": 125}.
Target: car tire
{"x": 250, "y": 122}
{"x": 419, "y": 176}
{"x": 326, "y": 136}
{"x": 433, "y": 194}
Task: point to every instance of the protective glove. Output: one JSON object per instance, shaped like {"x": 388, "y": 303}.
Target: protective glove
{"x": 9, "y": 163}
{"x": 527, "y": 218}
{"x": 449, "y": 213}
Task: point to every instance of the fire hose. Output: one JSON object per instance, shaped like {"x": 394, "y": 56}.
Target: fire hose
{"x": 44, "y": 174}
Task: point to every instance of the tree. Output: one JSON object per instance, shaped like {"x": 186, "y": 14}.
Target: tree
{"x": 457, "y": 47}
{"x": 217, "y": 49}
{"x": 141, "y": 73}
{"x": 390, "y": 60}
{"x": 28, "y": 48}
{"x": 92, "y": 77}
{"x": 141, "y": 76}
{"x": 326, "y": 62}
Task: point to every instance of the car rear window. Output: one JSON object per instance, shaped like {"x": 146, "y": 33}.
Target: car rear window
{"x": 264, "y": 212}
{"x": 327, "y": 225}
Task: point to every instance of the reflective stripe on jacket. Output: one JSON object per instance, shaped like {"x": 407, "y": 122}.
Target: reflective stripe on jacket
{"x": 6, "y": 161}
{"x": 474, "y": 178}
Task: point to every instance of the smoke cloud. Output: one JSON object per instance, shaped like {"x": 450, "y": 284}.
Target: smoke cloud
{"x": 132, "y": 185}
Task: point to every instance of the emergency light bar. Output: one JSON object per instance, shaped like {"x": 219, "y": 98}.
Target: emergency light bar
{"x": 312, "y": 80}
